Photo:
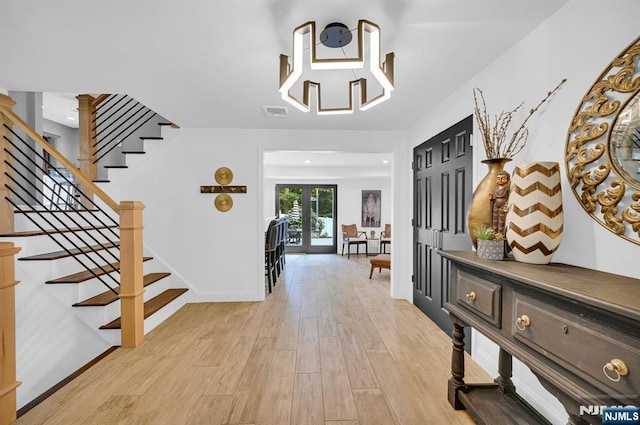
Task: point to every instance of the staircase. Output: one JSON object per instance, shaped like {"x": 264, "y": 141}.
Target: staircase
{"x": 80, "y": 279}
{"x": 71, "y": 240}
{"x": 41, "y": 256}
{"x": 120, "y": 127}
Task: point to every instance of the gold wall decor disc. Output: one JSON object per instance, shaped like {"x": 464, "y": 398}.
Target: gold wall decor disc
{"x": 223, "y": 202}
{"x": 224, "y": 176}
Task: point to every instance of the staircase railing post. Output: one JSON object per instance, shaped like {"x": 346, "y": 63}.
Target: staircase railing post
{"x": 8, "y": 383}
{"x": 87, "y": 140}
{"x": 131, "y": 273}
{"x": 6, "y": 209}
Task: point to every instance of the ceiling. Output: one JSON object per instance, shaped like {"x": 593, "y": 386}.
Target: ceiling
{"x": 328, "y": 159}
{"x": 215, "y": 63}
{"x": 61, "y": 108}
{"x": 301, "y": 165}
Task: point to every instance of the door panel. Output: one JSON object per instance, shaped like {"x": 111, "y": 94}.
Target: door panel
{"x": 323, "y": 205}
{"x": 442, "y": 192}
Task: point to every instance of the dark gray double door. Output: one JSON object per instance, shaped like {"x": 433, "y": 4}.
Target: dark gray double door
{"x": 442, "y": 192}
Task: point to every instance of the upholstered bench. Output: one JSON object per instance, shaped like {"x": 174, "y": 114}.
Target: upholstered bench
{"x": 380, "y": 261}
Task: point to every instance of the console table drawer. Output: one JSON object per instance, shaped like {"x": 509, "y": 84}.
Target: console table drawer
{"x": 587, "y": 348}
{"x": 480, "y": 296}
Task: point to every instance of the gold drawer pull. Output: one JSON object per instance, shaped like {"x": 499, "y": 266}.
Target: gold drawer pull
{"x": 471, "y": 297}
{"x": 618, "y": 367}
{"x": 522, "y": 322}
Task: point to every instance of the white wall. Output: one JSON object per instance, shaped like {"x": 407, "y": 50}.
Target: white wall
{"x": 577, "y": 43}
{"x": 219, "y": 254}
{"x": 350, "y": 201}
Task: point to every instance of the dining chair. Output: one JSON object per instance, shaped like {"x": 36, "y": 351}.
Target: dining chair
{"x": 352, "y": 236}
{"x": 385, "y": 238}
{"x": 270, "y": 247}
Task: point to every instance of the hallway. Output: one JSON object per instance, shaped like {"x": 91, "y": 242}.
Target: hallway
{"x": 327, "y": 347}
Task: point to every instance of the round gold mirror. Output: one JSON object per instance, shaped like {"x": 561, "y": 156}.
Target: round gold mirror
{"x": 624, "y": 143}
{"x": 602, "y": 152}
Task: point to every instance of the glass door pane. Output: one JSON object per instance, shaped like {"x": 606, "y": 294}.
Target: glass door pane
{"x": 322, "y": 212}
{"x": 290, "y": 206}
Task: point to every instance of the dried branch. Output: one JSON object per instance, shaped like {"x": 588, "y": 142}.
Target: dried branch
{"x": 494, "y": 134}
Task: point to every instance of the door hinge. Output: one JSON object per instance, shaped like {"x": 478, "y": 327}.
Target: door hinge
{"x": 413, "y": 221}
{"x": 413, "y": 279}
{"x": 413, "y": 165}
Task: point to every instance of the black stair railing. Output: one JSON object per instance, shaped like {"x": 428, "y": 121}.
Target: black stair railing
{"x": 91, "y": 233}
{"x": 117, "y": 118}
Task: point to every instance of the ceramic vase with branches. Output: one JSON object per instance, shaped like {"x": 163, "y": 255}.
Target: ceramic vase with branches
{"x": 499, "y": 149}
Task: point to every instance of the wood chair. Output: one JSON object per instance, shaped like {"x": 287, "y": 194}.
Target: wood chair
{"x": 282, "y": 245}
{"x": 270, "y": 259}
{"x": 280, "y": 238}
{"x": 385, "y": 238}
{"x": 352, "y": 236}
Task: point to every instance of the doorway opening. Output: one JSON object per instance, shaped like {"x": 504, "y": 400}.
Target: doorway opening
{"x": 312, "y": 214}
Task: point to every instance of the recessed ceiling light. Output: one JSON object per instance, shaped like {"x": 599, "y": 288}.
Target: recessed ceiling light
{"x": 385, "y": 161}
{"x": 71, "y": 118}
{"x": 307, "y": 162}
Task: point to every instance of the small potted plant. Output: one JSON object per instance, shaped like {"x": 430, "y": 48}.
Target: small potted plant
{"x": 490, "y": 244}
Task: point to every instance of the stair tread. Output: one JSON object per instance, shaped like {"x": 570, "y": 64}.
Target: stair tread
{"x": 101, "y": 181}
{"x": 86, "y": 274}
{"x": 108, "y": 297}
{"x": 62, "y": 254}
{"x": 115, "y": 166}
{"x": 151, "y": 138}
{"x": 133, "y": 152}
{"x": 151, "y": 306}
{"x": 40, "y": 232}
{"x": 173, "y": 125}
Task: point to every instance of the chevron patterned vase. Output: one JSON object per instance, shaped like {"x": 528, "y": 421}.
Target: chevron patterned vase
{"x": 534, "y": 219}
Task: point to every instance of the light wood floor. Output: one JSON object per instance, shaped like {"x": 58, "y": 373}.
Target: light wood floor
{"x": 327, "y": 347}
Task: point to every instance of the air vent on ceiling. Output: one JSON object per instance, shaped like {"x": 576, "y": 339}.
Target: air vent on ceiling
{"x": 275, "y": 111}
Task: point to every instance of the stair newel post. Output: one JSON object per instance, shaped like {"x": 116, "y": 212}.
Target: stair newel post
{"x": 131, "y": 273}
{"x": 87, "y": 141}
{"x": 6, "y": 209}
{"x": 8, "y": 383}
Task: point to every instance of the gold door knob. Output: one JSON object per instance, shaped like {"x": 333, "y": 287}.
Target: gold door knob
{"x": 522, "y": 322}
{"x": 615, "y": 369}
{"x": 471, "y": 297}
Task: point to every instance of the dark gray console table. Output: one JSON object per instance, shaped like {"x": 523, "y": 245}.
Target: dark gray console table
{"x": 578, "y": 330}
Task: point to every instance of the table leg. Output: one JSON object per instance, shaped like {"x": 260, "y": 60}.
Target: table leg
{"x": 456, "y": 382}
{"x": 505, "y": 366}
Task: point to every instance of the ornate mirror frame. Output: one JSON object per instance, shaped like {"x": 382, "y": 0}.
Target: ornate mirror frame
{"x": 605, "y": 189}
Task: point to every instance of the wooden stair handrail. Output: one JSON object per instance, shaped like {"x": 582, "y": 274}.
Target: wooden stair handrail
{"x": 82, "y": 179}
{"x": 98, "y": 100}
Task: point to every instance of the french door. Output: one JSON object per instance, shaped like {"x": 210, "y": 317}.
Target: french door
{"x": 311, "y": 212}
{"x": 442, "y": 191}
